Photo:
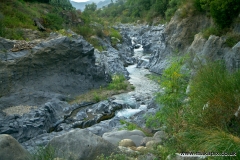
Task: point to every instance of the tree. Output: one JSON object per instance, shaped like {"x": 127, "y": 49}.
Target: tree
{"x": 91, "y": 7}
{"x": 223, "y": 12}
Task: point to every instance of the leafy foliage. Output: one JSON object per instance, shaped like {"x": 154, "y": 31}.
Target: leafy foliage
{"x": 118, "y": 83}
{"x": 223, "y": 12}
{"x": 197, "y": 124}
{"x": 47, "y": 153}
{"x": 174, "y": 83}
{"x": 232, "y": 39}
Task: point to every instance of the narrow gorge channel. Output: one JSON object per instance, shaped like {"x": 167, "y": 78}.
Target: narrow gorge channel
{"x": 67, "y": 75}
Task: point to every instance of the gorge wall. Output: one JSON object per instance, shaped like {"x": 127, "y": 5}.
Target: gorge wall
{"x": 59, "y": 67}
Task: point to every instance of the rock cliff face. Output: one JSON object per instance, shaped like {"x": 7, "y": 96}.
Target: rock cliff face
{"x": 59, "y": 67}
{"x": 181, "y": 36}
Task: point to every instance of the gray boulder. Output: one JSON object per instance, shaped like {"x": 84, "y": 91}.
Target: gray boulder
{"x": 116, "y": 136}
{"x": 10, "y": 149}
{"x": 81, "y": 144}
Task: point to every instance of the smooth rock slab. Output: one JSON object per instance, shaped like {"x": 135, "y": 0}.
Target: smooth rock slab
{"x": 81, "y": 144}
{"x": 10, "y": 149}
{"x": 116, "y": 136}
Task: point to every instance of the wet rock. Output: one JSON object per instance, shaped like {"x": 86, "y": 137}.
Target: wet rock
{"x": 116, "y": 136}
{"x": 81, "y": 144}
{"x": 10, "y": 149}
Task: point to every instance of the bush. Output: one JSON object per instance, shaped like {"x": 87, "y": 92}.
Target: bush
{"x": 174, "y": 82}
{"x": 84, "y": 31}
{"x": 206, "y": 121}
{"x": 223, "y": 12}
{"x": 118, "y": 83}
{"x": 2, "y": 27}
{"x": 210, "y": 140}
{"x": 232, "y": 39}
{"x": 53, "y": 21}
{"x": 211, "y": 31}
{"x": 214, "y": 91}
{"x": 47, "y": 153}
{"x": 115, "y": 33}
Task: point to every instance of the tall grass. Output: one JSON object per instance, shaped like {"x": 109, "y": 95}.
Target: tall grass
{"x": 214, "y": 91}
{"x": 203, "y": 120}
{"x": 118, "y": 83}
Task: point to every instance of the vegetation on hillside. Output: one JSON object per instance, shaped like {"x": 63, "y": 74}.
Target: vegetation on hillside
{"x": 17, "y": 15}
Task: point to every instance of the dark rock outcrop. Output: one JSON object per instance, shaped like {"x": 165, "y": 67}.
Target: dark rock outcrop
{"x": 60, "y": 67}
{"x": 36, "y": 122}
{"x": 38, "y": 24}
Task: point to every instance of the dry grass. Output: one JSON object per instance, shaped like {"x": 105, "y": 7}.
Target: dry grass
{"x": 21, "y": 109}
{"x": 97, "y": 95}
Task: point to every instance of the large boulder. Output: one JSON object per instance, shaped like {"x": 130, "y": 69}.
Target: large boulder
{"x": 80, "y": 144}
{"x": 116, "y": 136}
{"x": 59, "y": 67}
{"x": 10, "y": 149}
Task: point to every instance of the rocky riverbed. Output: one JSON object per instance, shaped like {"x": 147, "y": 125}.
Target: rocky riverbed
{"x": 38, "y": 79}
{"x": 40, "y": 83}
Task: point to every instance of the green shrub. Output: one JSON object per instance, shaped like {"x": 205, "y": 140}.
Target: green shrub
{"x": 214, "y": 91}
{"x": 223, "y": 12}
{"x": 210, "y": 140}
{"x": 174, "y": 82}
{"x": 232, "y": 39}
{"x": 211, "y": 31}
{"x": 47, "y": 153}
{"x": 118, "y": 83}
{"x": 96, "y": 97}
{"x": 115, "y": 33}
{"x": 95, "y": 42}
{"x": 53, "y": 21}
{"x": 2, "y": 27}
{"x": 84, "y": 31}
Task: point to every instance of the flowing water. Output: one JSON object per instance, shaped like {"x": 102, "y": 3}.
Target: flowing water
{"x": 144, "y": 88}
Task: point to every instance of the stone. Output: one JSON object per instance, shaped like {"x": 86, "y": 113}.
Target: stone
{"x": 141, "y": 149}
{"x": 150, "y": 144}
{"x": 127, "y": 143}
{"x": 59, "y": 67}
{"x": 127, "y": 150}
{"x": 116, "y": 136}
{"x": 145, "y": 140}
{"x": 160, "y": 135}
{"x": 10, "y": 149}
{"x": 148, "y": 156}
{"x": 81, "y": 144}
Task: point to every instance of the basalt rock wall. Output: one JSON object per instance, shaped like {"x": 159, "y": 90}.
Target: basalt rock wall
{"x": 59, "y": 67}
